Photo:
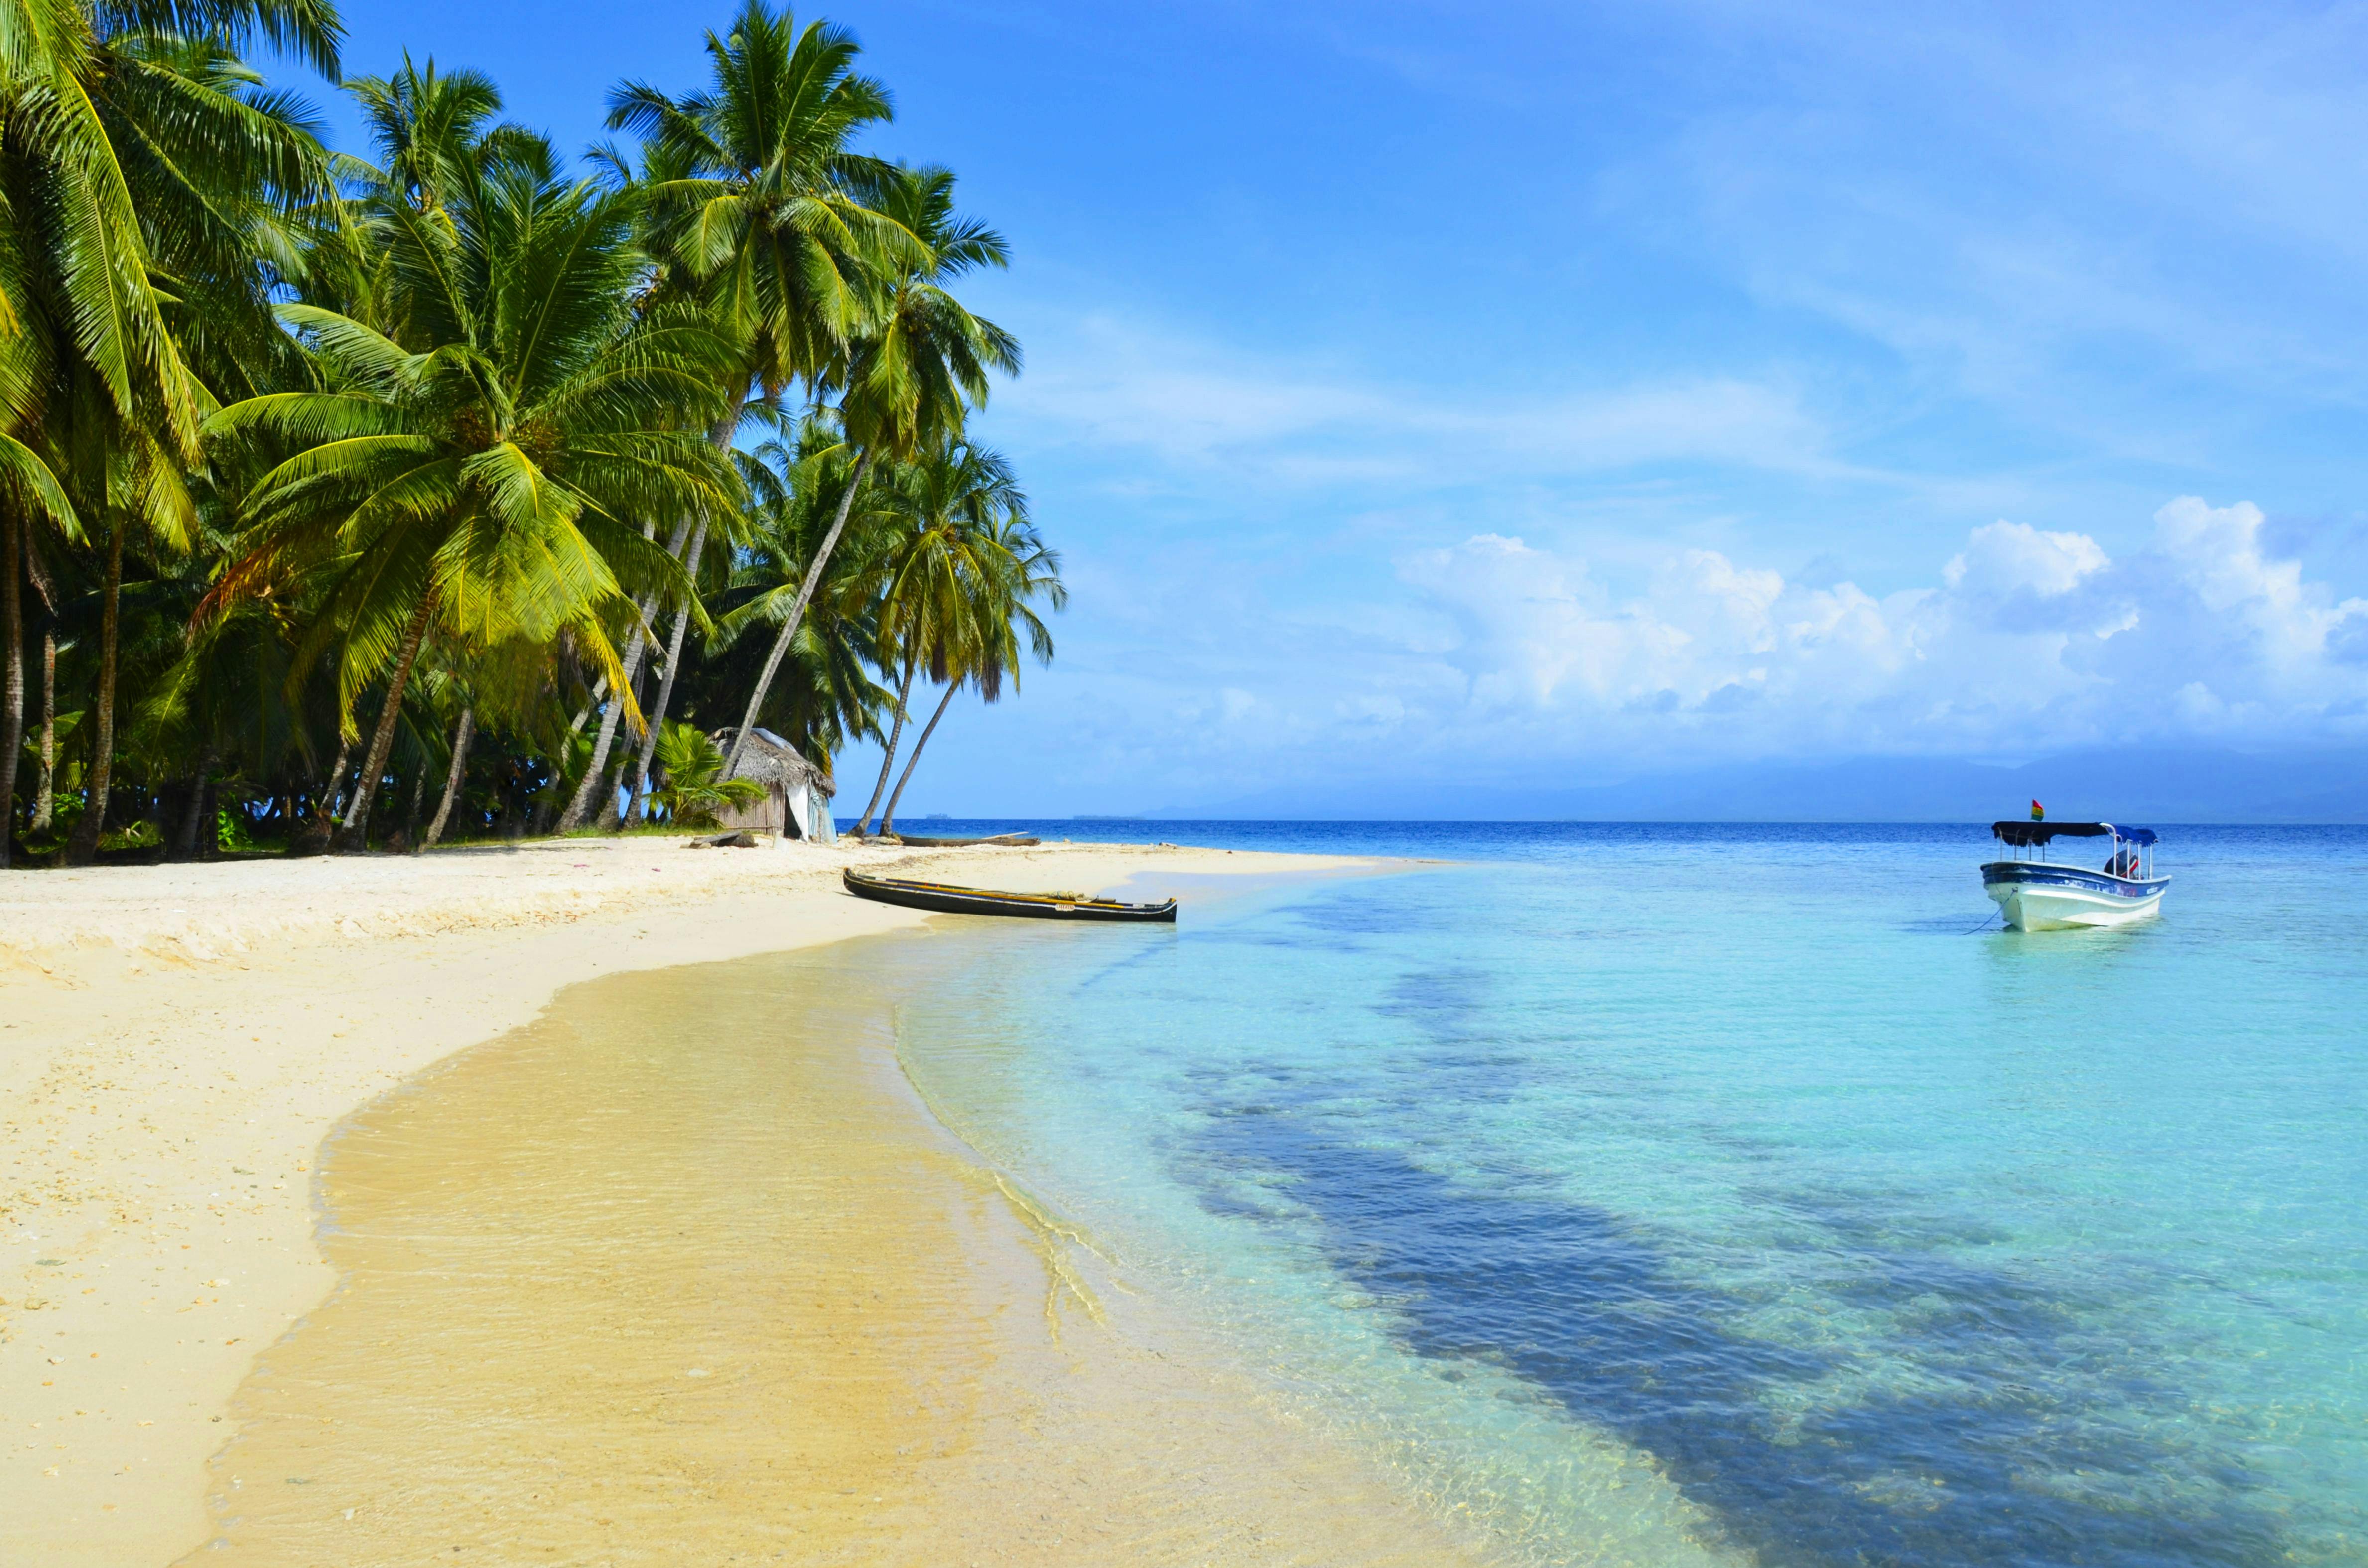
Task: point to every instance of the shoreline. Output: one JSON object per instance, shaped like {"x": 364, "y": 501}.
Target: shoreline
{"x": 178, "y": 1041}
{"x": 826, "y": 1331}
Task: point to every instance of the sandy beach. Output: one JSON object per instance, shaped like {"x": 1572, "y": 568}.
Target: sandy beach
{"x": 177, "y": 1041}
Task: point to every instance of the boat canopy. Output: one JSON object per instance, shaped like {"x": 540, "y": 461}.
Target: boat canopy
{"x": 2025, "y": 835}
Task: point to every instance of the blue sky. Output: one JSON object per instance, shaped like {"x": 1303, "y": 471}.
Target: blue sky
{"x": 1535, "y": 395}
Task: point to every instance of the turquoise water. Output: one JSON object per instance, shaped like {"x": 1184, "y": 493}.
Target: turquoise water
{"x": 1648, "y": 1191}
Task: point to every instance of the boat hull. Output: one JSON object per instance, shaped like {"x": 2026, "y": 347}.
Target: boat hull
{"x": 947, "y": 899}
{"x": 2036, "y": 896}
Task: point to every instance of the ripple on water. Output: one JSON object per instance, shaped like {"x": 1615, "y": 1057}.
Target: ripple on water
{"x": 1844, "y": 1236}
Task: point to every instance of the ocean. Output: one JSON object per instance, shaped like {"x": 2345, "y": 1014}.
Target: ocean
{"x": 1730, "y": 1193}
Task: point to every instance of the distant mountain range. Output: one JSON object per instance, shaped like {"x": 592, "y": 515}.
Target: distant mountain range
{"x": 2121, "y": 785}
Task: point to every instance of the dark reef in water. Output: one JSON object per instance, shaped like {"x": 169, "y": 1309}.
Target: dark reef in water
{"x": 2020, "y": 1434}
{"x": 2015, "y": 1444}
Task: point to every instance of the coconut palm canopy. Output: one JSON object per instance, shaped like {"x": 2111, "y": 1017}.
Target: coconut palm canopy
{"x": 422, "y": 489}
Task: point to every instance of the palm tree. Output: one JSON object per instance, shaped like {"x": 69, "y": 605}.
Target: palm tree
{"x": 464, "y": 730}
{"x": 344, "y": 485}
{"x": 694, "y": 792}
{"x": 920, "y": 366}
{"x": 949, "y": 500}
{"x": 757, "y": 198}
{"x": 759, "y": 205}
{"x": 829, "y": 694}
{"x": 429, "y": 130}
{"x": 432, "y": 130}
{"x": 27, "y": 489}
{"x": 478, "y": 478}
{"x": 135, "y": 158}
{"x": 1014, "y": 569}
{"x": 129, "y": 476}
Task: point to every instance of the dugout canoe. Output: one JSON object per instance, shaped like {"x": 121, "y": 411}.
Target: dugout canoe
{"x": 999, "y": 841}
{"x": 947, "y": 899}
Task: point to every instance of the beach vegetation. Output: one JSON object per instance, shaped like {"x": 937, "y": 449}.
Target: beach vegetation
{"x": 694, "y": 792}
{"x": 446, "y": 488}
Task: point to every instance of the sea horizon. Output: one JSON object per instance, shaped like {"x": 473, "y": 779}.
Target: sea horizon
{"x": 1267, "y": 830}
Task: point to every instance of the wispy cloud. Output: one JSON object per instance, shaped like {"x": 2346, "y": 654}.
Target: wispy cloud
{"x": 1114, "y": 388}
{"x": 2110, "y": 231}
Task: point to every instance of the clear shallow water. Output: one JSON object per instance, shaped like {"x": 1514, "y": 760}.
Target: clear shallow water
{"x": 1641, "y": 1190}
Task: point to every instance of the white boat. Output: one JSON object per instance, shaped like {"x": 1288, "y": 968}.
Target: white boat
{"x": 2038, "y": 894}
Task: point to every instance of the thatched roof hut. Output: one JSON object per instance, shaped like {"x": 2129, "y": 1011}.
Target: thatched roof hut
{"x": 797, "y": 793}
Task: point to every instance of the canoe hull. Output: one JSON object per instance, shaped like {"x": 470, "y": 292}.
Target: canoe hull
{"x": 999, "y": 841}
{"x": 2037, "y": 897}
{"x": 945, "y": 899}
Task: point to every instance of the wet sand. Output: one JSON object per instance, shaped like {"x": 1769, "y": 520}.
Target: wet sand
{"x": 176, "y": 1042}
{"x": 684, "y": 1272}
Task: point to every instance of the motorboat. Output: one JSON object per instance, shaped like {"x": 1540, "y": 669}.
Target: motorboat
{"x": 2039, "y": 894}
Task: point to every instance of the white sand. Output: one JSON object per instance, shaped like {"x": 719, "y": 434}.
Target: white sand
{"x": 175, "y": 1042}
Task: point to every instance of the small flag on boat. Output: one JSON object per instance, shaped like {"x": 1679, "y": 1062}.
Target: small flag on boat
{"x": 2038, "y": 812}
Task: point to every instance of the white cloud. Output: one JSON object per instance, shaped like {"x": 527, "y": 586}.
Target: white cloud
{"x": 1370, "y": 709}
{"x": 1494, "y": 658}
{"x": 2003, "y": 559}
{"x": 2030, "y": 640}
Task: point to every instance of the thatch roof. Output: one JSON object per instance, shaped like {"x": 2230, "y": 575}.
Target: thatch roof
{"x": 773, "y": 761}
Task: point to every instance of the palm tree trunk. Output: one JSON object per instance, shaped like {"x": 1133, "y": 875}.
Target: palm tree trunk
{"x": 209, "y": 841}
{"x": 599, "y": 694}
{"x": 611, "y": 815}
{"x": 186, "y": 846}
{"x": 84, "y": 846}
{"x": 45, "y": 786}
{"x": 888, "y": 758}
{"x": 411, "y": 813}
{"x": 797, "y": 613}
{"x": 666, "y": 687}
{"x": 355, "y": 836}
{"x": 580, "y": 806}
{"x": 45, "y": 797}
{"x": 11, "y": 686}
{"x": 507, "y": 810}
{"x": 336, "y": 777}
{"x": 720, "y": 437}
{"x": 610, "y": 820}
{"x": 461, "y": 734}
{"x": 888, "y": 822}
